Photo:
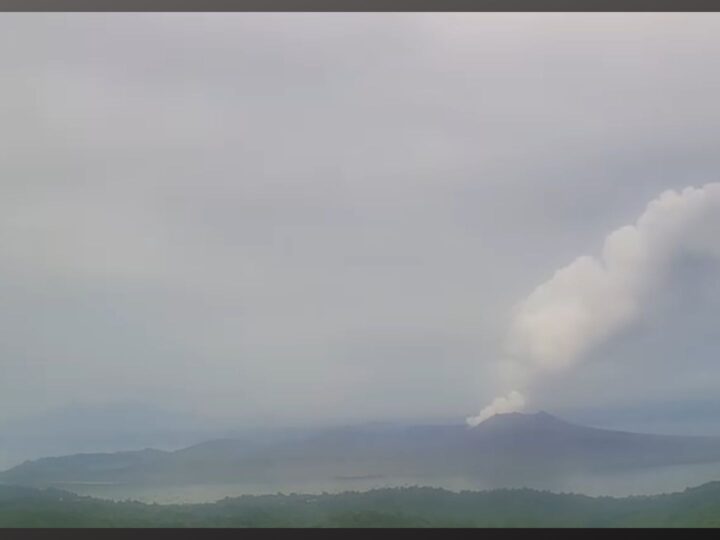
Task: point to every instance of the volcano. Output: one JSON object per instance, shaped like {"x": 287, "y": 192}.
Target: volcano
{"x": 512, "y": 445}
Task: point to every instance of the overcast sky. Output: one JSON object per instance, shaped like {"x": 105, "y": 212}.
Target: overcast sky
{"x": 293, "y": 218}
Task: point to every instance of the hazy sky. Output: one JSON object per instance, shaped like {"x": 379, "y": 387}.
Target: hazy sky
{"x": 318, "y": 217}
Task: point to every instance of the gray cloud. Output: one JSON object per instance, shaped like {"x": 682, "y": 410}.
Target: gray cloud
{"x": 319, "y": 217}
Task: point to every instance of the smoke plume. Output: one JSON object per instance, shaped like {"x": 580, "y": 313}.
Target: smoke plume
{"x": 513, "y": 402}
{"x": 590, "y": 300}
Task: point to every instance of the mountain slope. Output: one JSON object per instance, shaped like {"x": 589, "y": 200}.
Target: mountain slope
{"x": 508, "y": 446}
{"x": 96, "y": 467}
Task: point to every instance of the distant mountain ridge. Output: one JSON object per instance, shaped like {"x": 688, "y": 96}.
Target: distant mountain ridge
{"x": 513, "y": 445}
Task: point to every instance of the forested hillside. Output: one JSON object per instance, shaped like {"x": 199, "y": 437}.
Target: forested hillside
{"x": 406, "y": 507}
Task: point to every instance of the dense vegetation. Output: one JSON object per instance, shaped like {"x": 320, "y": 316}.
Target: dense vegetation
{"x": 405, "y": 507}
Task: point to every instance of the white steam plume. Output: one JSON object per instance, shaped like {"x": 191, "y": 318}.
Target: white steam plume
{"x": 591, "y": 299}
{"x": 513, "y": 402}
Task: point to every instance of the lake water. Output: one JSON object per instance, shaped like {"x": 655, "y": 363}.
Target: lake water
{"x": 637, "y": 482}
